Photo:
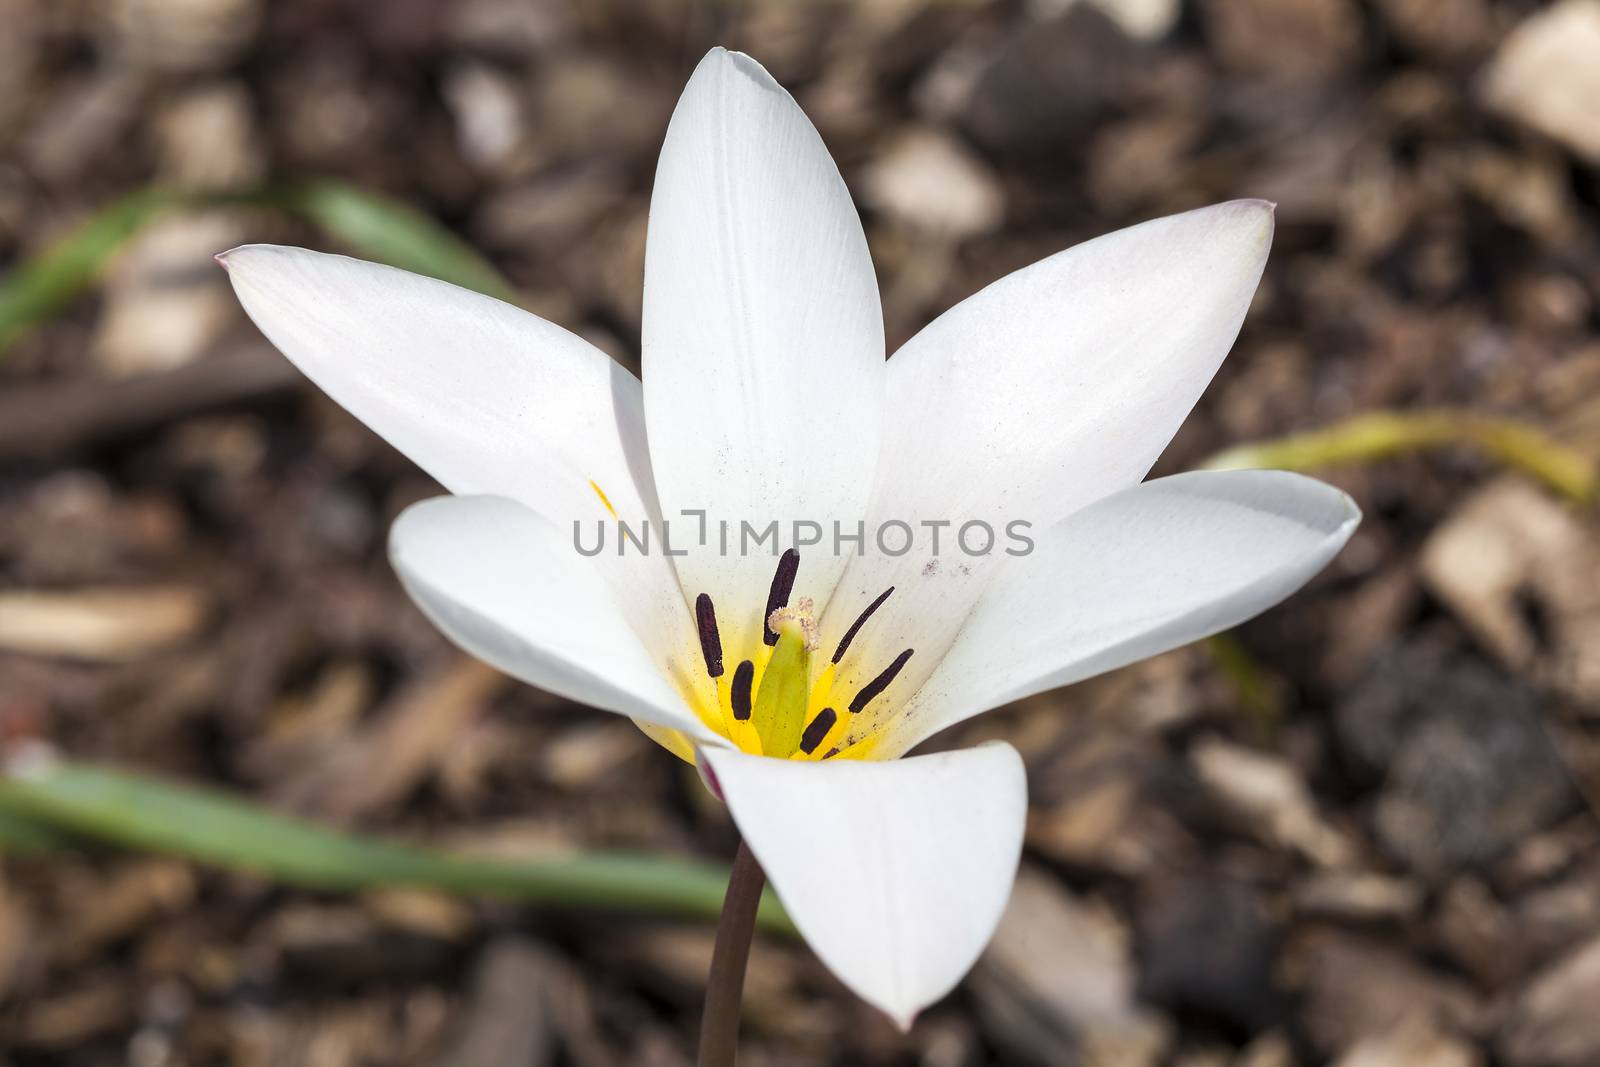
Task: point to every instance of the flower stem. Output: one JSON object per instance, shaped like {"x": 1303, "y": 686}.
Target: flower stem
{"x": 719, "y": 1024}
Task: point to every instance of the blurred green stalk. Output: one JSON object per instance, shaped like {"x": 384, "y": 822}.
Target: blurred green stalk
{"x": 1381, "y": 434}
{"x": 1255, "y": 688}
{"x": 48, "y": 804}
{"x": 388, "y": 231}
{"x": 370, "y": 225}
{"x": 20, "y": 834}
{"x": 41, "y": 287}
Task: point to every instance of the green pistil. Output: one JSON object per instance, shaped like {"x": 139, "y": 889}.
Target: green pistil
{"x": 780, "y": 711}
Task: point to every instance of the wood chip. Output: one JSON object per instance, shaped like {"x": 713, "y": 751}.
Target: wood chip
{"x": 1058, "y": 983}
{"x": 1417, "y": 1042}
{"x": 403, "y": 744}
{"x": 1546, "y": 77}
{"x": 1357, "y": 988}
{"x": 510, "y": 1001}
{"x": 929, "y": 180}
{"x": 101, "y": 625}
{"x": 1268, "y": 795}
{"x": 1554, "y": 1022}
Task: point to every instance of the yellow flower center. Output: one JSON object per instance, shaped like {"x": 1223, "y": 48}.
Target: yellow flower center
{"x": 777, "y": 702}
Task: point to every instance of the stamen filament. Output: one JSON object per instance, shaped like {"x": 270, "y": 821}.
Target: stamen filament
{"x": 880, "y": 683}
{"x": 861, "y": 620}
{"x": 778, "y": 595}
{"x": 819, "y": 728}
{"x": 742, "y": 732}
{"x": 739, "y": 695}
{"x": 705, "y": 617}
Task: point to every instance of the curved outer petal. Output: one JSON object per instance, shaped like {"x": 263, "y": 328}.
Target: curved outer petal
{"x": 482, "y": 395}
{"x": 896, "y": 873}
{"x": 1141, "y": 572}
{"x": 505, "y": 585}
{"x": 1048, "y": 389}
{"x": 1065, "y": 380}
{"x": 763, "y": 337}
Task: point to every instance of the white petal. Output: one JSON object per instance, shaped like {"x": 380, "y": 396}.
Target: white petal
{"x": 896, "y": 873}
{"x": 1141, "y": 572}
{"x": 1064, "y": 381}
{"x": 1054, "y": 386}
{"x": 482, "y": 395}
{"x": 507, "y": 586}
{"x": 763, "y": 337}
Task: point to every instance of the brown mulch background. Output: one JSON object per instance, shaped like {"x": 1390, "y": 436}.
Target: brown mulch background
{"x": 1372, "y": 849}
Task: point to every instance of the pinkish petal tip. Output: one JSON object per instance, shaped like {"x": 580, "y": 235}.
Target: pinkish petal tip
{"x": 708, "y": 776}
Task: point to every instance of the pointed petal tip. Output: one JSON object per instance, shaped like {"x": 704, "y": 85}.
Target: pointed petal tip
{"x": 244, "y": 255}
{"x": 1336, "y": 513}
{"x": 708, "y": 774}
{"x": 742, "y": 63}
{"x": 1342, "y": 516}
{"x": 1250, "y": 216}
{"x": 1341, "y": 502}
{"x": 1248, "y": 223}
{"x": 1264, "y": 213}
{"x": 238, "y": 256}
{"x": 1352, "y": 510}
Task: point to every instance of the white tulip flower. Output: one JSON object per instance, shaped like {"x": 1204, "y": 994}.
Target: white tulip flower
{"x": 799, "y": 683}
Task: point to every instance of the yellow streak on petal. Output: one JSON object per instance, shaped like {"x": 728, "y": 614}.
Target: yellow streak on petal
{"x": 822, "y": 697}
{"x": 674, "y": 741}
{"x": 862, "y": 749}
{"x": 601, "y": 493}
{"x": 697, "y": 691}
{"x": 743, "y": 734}
{"x": 831, "y": 740}
{"x": 762, "y": 657}
{"x": 822, "y": 693}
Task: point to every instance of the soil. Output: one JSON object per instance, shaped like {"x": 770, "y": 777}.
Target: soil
{"x": 1357, "y": 834}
